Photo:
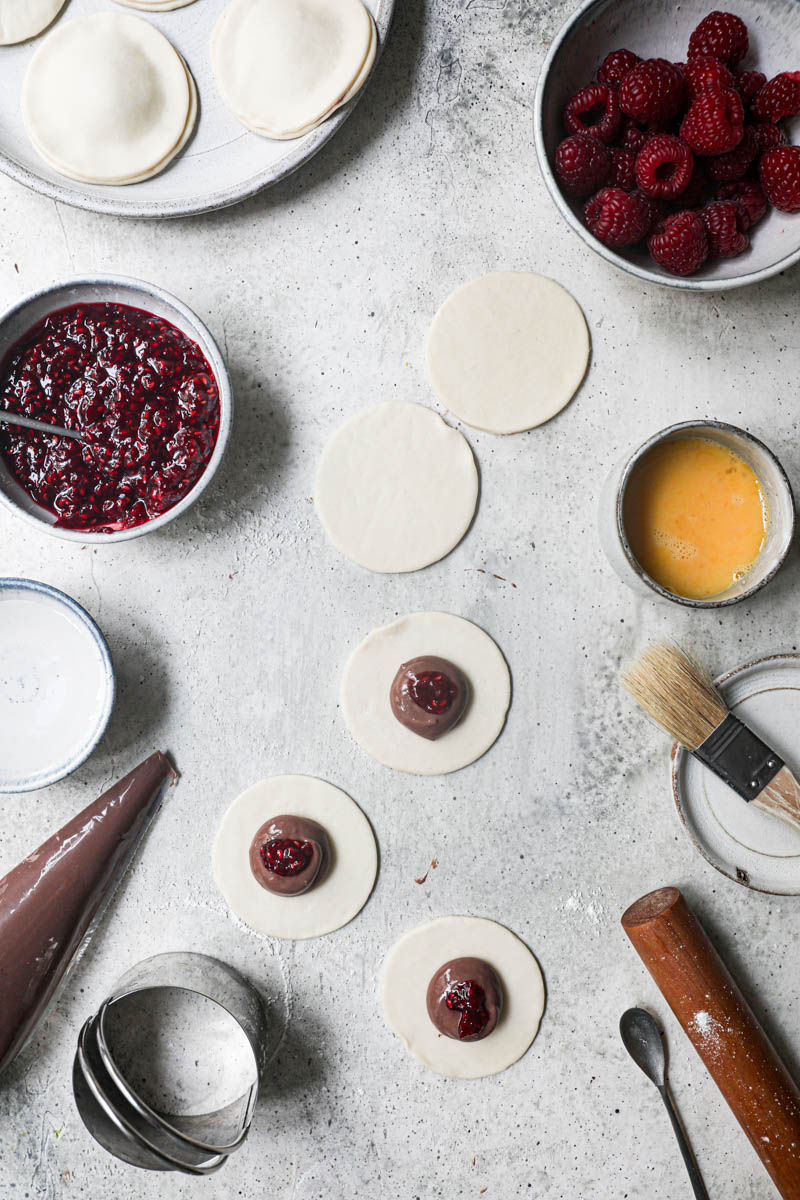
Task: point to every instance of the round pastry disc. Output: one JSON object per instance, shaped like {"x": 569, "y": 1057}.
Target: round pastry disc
{"x": 413, "y": 961}
{"x": 507, "y": 351}
{"x": 282, "y": 68}
{"x": 155, "y": 5}
{"x": 396, "y": 487}
{"x": 23, "y": 19}
{"x": 188, "y": 130}
{"x": 373, "y": 665}
{"x": 355, "y": 87}
{"x": 747, "y": 845}
{"x": 342, "y": 893}
{"x": 106, "y": 96}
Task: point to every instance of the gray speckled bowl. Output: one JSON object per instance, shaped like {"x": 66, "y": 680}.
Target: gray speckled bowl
{"x": 775, "y": 487}
{"x": 653, "y": 29}
{"x": 16, "y": 321}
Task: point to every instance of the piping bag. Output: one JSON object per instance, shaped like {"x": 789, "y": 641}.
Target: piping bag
{"x": 53, "y": 899}
{"x": 723, "y": 1029}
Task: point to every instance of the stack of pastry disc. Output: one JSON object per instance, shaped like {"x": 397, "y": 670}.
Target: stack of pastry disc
{"x": 155, "y": 5}
{"x": 23, "y": 19}
{"x": 107, "y": 99}
{"x": 283, "y": 66}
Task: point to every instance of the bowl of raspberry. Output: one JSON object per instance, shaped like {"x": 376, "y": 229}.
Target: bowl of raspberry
{"x": 137, "y": 380}
{"x": 664, "y": 134}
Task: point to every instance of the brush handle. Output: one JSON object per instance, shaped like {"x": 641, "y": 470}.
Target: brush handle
{"x": 781, "y": 798}
{"x": 722, "y": 1028}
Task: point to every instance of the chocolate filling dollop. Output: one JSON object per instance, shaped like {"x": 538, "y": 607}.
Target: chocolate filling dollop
{"x": 290, "y": 855}
{"x": 465, "y": 999}
{"x": 428, "y": 695}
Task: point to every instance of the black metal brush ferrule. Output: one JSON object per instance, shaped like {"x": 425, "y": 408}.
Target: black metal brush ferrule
{"x": 739, "y": 758}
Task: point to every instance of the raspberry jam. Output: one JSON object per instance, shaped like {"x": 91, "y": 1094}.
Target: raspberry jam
{"x": 141, "y": 391}
{"x": 286, "y": 856}
{"x": 433, "y": 691}
{"x": 468, "y": 998}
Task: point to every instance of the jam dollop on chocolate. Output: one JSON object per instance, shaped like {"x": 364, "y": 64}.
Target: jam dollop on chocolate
{"x": 465, "y": 999}
{"x": 429, "y": 695}
{"x": 290, "y": 855}
{"x": 141, "y": 392}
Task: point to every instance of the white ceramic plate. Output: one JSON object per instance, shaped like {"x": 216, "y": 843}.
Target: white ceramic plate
{"x": 56, "y": 685}
{"x": 743, "y": 843}
{"x": 222, "y": 164}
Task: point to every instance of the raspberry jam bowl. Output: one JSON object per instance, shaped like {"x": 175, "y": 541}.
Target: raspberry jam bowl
{"x": 719, "y": 230}
{"x": 139, "y": 376}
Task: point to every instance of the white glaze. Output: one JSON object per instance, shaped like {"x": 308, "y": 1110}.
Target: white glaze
{"x": 55, "y": 689}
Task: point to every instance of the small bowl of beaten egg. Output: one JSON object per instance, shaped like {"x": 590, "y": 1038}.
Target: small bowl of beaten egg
{"x": 701, "y": 514}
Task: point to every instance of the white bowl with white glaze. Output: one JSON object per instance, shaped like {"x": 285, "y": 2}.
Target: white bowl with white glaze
{"x": 57, "y": 685}
{"x": 661, "y": 29}
{"x": 25, "y": 314}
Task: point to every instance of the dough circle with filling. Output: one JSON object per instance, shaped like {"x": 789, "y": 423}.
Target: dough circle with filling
{"x": 332, "y": 903}
{"x": 282, "y": 68}
{"x": 413, "y": 961}
{"x": 507, "y": 351}
{"x": 23, "y": 19}
{"x": 368, "y": 679}
{"x": 107, "y": 98}
{"x": 396, "y": 488}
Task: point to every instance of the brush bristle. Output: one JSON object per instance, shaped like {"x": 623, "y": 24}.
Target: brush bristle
{"x": 677, "y": 692}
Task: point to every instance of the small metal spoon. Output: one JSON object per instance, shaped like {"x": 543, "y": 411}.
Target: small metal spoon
{"x": 643, "y": 1042}
{"x": 9, "y": 418}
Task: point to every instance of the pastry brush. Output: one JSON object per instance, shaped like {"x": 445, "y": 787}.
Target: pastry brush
{"x": 679, "y": 694}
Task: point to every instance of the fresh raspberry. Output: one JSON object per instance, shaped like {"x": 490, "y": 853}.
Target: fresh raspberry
{"x": 616, "y": 64}
{"x": 633, "y": 135}
{"x": 582, "y": 164}
{"x": 749, "y": 198}
{"x": 778, "y": 98}
{"x": 723, "y": 221}
{"x": 714, "y": 122}
{"x": 657, "y": 211}
{"x": 652, "y": 91}
{"x": 699, "y": 186}
{"x": 747, "y": 83}
{"x": 706, "y": 74}
{"x": 767, "y": 135}
{"x": 617, "y": 218}
{"x": 722, "y": 35}
{"x": 680, "y": 243}
{"x": 779, "y": 170}
{"x": 664, "y": 167}
{"x": 725, "y": 168}
{"x": 595, "y": 110}
{"x": 623, "y": 168}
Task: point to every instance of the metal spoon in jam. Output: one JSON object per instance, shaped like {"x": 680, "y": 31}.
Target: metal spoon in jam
{"x": 429, "y": 695}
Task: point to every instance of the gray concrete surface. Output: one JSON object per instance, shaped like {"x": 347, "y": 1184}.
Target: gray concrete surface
{"x": 229, "y": 630}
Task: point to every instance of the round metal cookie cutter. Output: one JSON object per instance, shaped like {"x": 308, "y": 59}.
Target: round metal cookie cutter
{"x": 166, "y": 1072}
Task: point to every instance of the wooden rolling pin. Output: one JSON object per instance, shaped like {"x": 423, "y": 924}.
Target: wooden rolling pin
{"x": 722, "y": 1028}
